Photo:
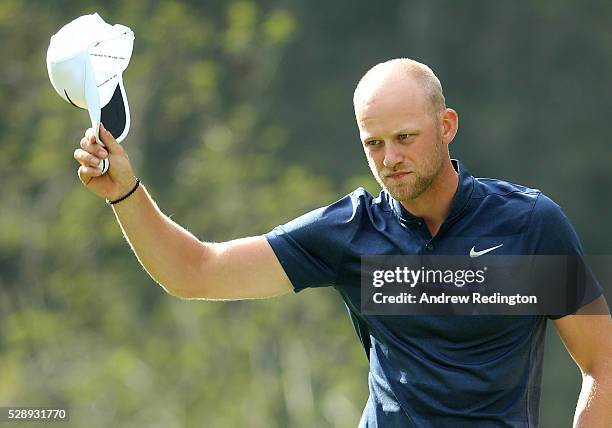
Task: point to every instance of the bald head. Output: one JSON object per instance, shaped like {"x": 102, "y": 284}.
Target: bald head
{"x": 397, "y": 74}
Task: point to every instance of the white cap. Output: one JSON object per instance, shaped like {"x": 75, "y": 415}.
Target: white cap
{"x": 85, "y": 61}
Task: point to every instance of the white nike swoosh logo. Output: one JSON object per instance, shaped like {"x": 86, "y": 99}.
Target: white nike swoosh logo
{"x": 474, "y": 253}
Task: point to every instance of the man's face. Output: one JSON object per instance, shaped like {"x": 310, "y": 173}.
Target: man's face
{"x": 401, "y": 138}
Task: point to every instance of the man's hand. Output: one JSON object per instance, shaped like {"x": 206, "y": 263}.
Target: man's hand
{"x": 120, "y": 177}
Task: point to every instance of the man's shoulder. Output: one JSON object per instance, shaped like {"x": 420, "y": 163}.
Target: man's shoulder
{"x": 503, "y": 201}
{"x": 516, "y": 201}
{"x": 360, "y": 200}
{"x": 485, "y": 187}
{"x": 340, "y": 216}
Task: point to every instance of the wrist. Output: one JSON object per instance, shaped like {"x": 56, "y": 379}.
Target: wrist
{"x": 125, "y": 194}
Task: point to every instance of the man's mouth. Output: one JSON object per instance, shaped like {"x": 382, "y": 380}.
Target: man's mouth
{"x": 397, "y": 175}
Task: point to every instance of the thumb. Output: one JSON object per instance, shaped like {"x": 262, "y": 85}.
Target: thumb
{"x": 109, "y": 141}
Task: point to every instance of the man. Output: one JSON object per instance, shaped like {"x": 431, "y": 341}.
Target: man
{"x": 424, "y": 370}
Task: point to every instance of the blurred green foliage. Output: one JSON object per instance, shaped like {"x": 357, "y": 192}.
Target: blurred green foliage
{"x": 241, "y": 120}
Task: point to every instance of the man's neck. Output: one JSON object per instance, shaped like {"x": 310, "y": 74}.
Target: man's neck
{"x": 434, "y": 204}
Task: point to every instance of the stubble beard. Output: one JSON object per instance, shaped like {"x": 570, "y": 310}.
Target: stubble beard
{"x": 416, "y": 183}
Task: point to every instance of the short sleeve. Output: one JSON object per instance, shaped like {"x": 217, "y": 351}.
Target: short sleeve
{"x": 551, "y": 233}
{"x": 310, "y": 248}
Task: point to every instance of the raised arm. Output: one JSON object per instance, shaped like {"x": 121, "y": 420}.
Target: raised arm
{"x": 182, "y": 264}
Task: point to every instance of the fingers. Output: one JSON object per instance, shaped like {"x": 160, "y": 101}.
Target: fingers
{"x": 109, "y": 141}
{"x": 106, "y": 137}
{"x": 86, "y": 173}
{"x": 93, "y": 157}
{"x": 93, "y": 147}
{"x": 90, "y": 136}
{"x": 85, "y": 158}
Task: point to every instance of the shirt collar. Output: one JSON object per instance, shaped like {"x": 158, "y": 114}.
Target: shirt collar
{"x": 465, "y": 186}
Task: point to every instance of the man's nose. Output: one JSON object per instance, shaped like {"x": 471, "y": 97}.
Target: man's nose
{"x": 392, "y": 156}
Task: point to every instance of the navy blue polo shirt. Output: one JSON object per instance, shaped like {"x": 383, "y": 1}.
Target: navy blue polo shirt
{"x": 439, "y": 371}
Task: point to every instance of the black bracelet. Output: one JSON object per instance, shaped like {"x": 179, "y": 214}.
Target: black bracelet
{"x": 127, "y": 195}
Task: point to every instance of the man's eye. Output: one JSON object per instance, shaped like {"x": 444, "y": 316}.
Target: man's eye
{"x": 373, "y": 142}
{"x": 403, "y": 136}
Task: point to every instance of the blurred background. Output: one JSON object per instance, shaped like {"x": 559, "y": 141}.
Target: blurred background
{"x": 241, "y": 120}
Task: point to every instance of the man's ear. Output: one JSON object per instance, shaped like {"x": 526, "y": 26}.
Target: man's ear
{"x": 450, "y": 125}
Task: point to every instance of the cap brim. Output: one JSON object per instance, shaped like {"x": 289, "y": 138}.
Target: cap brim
{"x": 115, "y": 115}
{"x": 92, "y": 97}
